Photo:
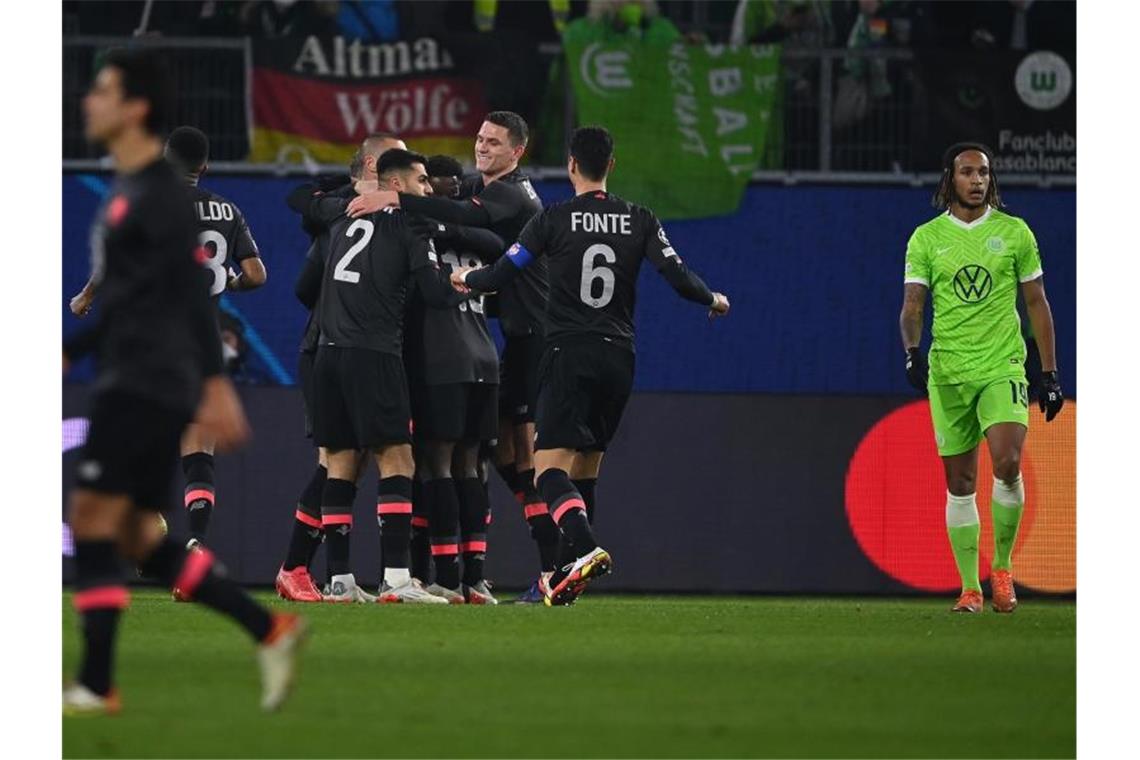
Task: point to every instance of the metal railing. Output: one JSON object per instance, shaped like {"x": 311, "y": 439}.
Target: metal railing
{"x": 214, "y": 91}
{"x": 835, "y": 126}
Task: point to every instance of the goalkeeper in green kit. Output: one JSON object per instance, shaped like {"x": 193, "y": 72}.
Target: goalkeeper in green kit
{"x": 972, "y": 258}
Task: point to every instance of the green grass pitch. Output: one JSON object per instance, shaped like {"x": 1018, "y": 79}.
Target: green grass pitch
{"x": 613, "y": 676}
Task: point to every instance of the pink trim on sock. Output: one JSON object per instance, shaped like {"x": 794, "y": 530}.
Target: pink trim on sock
{"x": 194, "y": 569}
{"x": 312, "y": 522}
{"x": 101, "y": 598}
{"x": 199, "y": 493}
{"x": 438, "y": 549}
{"x": 420, "y": 522}
{"x": 473, "y": 546}
{"x": 536, "y": 509}
{"x": 336, "y": 519}
{"x": 394, "y": 508}
{"x": 566, "y": 506}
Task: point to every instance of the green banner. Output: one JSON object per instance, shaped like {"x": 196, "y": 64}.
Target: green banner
{"x": 689, "y": 121}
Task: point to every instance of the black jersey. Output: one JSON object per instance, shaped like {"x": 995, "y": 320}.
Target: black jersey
{"x": 308, "y": 288}
{"x": 156, "y": 335}
{"x": 509, "y": 203}
{"x": 453, "y": 345}
{"x": 595, "y": 244}
{"x": 366, "y": 277}
{"x": 224, "y": 236}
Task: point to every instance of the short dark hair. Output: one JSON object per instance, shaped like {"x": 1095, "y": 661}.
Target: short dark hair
{"x": 189, "y": 148}
{"x": 396, "y": 159}
{"x": 356, "y": 166}
{"x": 443, "y": 166}
{"x": 592, "y": 148}
{"x": 516, "y": 125}
{"x": 144, "y": 75}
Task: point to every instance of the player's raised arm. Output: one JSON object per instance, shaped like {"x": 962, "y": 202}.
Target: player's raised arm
{"x": 479, "y": 240}
{"x": 686, "y": 283}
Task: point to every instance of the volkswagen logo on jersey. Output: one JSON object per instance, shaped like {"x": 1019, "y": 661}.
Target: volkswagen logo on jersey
{"x": 973, "y": 283}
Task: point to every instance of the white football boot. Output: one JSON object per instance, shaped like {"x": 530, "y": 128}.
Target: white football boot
{"x": 409, "y": 592}
{"x": 277, "y": 658}
{"x": 453, "y": 596}
{"x": 479, "y": 594}
{"x": 343, "y": 589}
{"x": 79, "y": 701}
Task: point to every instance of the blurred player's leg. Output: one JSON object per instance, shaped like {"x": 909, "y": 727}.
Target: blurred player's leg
{"x": 198, "y": 467}
{"x": 474, "y": 515}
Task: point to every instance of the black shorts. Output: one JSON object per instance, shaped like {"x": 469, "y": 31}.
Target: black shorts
{"x": 360, "y": 399}
{"x": 132, "y": 448}
{"x": 584, "y": 385}
{"x": 305, "y": 379}
{"x": 456, "y": 412}
{"x": 518, "y": 377}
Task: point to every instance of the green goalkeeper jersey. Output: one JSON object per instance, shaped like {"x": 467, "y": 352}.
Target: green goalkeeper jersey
{"x": 973, "y": 271}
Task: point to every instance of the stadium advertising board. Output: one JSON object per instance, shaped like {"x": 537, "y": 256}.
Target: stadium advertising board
{"x": 683, "y": 116}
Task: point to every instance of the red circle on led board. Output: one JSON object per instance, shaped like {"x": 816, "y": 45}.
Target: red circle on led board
{"x": 896, "y": 501}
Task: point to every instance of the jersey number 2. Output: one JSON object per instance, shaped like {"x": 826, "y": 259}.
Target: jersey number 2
{"x": 216, "y": 263}
{"x": 342, "y": 272}
{"x": 593, "y": 271}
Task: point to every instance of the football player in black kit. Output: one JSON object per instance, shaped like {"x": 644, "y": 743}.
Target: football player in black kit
{"x": 294, "y": 580}
{"x": 594, "y": 244}
{"x": 224, "y": 239}
{"x": 503, "y": 200}
{"x": 159, "y": 359}
{"x": 361, "y": 394}
{"x": 453, "y": 376}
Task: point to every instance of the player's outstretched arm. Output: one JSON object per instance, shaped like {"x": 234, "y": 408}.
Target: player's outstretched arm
{"x": 910, "y": 327}
{"x": 478, "y": 240}
{"x": 1051, "y": 399}
{"x": 492, "y": 278}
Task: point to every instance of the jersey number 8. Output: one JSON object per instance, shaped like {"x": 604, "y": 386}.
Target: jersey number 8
{"x": 593, "y": 271}
{"x": 216, "y": 263}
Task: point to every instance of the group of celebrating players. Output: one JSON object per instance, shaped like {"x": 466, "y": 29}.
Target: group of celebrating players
{"x": 398, "y": 365}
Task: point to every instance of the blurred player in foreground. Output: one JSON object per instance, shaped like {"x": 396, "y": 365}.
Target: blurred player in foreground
{"x": 159, "y": 359}
{"x": 594, "y": 245}
{"x": 972, "y": 258}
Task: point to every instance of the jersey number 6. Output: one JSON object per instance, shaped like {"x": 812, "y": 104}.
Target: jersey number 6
{"x": 593, "y": 271}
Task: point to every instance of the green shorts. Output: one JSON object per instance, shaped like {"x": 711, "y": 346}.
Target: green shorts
{"x": 962, "y": 413}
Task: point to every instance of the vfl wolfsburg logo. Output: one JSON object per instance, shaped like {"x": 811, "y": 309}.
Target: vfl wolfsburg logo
{"x": 995, "y": 244}
{"x": 973, "y": 283}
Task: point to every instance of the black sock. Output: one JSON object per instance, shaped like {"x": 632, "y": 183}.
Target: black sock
{"x": 307, "y": 522}
{"x": 474, "y": 509}
{"x": 588, "y": 487}
{"x": 100, "y": 596}
{"x": 443, "y": 500}
{"x": 394, "y": 513}
{"x": 510, "y": 478}
{"x": 199, "y": 495}
{"x": 336, "y": 521}
{"x": 421, "y": 534}
{"x": 198, "y": 576}
{"x": 542, "y": 528}
{"x": 568, "y": 510}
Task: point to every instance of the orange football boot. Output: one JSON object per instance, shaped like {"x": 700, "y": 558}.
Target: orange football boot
{"x": 1001, "y": 582}
{"x": 970, "y": 601}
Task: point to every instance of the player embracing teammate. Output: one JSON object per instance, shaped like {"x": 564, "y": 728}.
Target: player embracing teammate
{"x": 972, "y": 258}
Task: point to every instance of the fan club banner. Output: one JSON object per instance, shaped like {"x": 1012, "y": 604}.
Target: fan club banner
{"x": 1023, "y": 105}
{"x": 689, "y": 121}
{"x": 318, "y": 98}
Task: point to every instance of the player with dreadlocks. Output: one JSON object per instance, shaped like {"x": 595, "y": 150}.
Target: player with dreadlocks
{"x": 971, "y": 258}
